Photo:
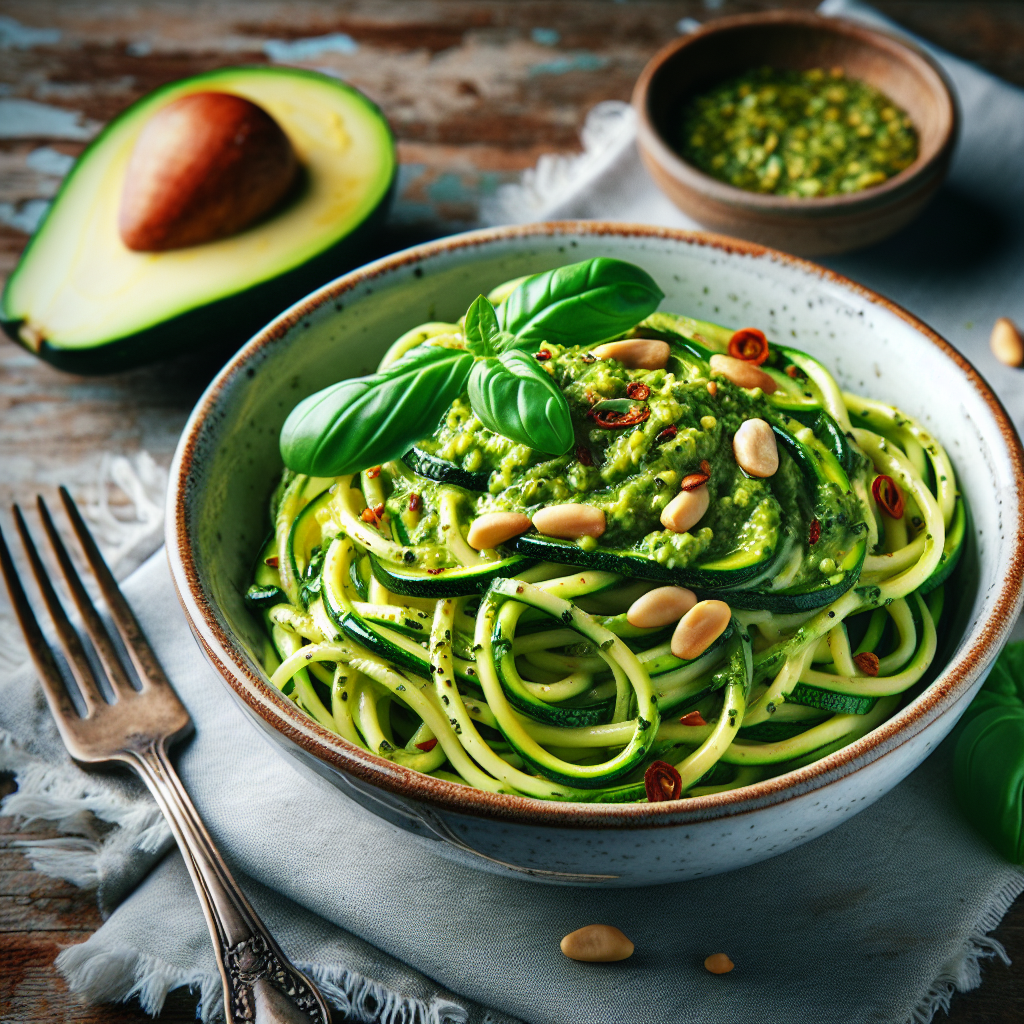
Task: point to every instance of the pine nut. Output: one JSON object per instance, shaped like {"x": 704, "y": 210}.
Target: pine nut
{"x": 755, "y": 448}
{"x": 660, "y": 607}
{"x": 636, "y": 353}
{"x": 699, "y": 628}
{"x": 570, "y": 522}
{"x": 494, "y": 528}
{"x": 742, "y": 374}
{"x": 596, "y": 944}
{"x": 1006, "y": 343}
{"x": 686, "y": 509}
{"x": 719, "y": 963}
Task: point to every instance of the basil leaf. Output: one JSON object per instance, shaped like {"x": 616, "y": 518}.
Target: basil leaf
{"x": 365, "y": 421}
{"x": 589, "y": 302}
{"x": 988, "y": 763}
{"x": 481, "y": 327}
{"x": 514, "y": 397}
{"x": 988, "y": 776}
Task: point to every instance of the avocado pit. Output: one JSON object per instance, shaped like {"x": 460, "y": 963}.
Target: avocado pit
{"x": 203, "y": 168}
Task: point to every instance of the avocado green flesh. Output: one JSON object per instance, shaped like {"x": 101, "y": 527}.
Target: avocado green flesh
{"x": 756, "y": 532}
{"x": 79, "y": 288}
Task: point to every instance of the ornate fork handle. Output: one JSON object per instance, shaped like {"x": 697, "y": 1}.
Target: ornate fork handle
{"x": 259, "y": 981}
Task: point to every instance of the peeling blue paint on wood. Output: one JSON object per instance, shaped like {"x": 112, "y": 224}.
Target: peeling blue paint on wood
{"x": 546, "y": 36}
{"x": 15, "y": 36}
{"x": 291, "y": 50}
{"x": 581, "y": 61}
{"x": 26, "y": 119}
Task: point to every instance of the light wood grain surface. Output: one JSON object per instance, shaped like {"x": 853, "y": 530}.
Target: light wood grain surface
{"x": 475, "y": 93}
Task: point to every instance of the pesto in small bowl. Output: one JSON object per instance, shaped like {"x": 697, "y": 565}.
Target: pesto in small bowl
{"x": 797, "y": 133}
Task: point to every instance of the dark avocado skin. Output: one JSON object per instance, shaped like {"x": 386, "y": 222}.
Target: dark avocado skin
{"x": 225, "y": 324}
{"x": 228, "y": 322}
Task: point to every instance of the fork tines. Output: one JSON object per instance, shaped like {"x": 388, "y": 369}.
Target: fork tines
{"x": 138, "y": 648}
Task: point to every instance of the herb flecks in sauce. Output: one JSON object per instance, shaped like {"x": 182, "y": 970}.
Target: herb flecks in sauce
{"x": 797, "y": 133}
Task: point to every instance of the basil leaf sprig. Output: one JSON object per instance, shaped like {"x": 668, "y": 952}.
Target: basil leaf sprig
{"x": 369, "y": 420}
{"x": 593, "y": 301}
{"x": 365, "y": 421}
{"x": 513, "y": 396}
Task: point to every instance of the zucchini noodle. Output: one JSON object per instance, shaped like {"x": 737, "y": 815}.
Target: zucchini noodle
{"x": 518, "y": 669}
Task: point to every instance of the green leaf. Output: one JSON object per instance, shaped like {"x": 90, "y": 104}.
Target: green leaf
{"x": 587, "y": 302}
{"x": 365, "y": 421}
{"x": 1004, "y": 686}
{"x": 988, "y": 774}
{"x": 481, "y": 328}
{"x": 514, "y": 397}
{"x": 988, "y": 764}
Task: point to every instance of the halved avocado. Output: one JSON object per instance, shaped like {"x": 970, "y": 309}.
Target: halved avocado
{"x": 82, "y": 300}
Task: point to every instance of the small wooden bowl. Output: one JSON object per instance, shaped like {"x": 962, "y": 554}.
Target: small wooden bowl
{"x": 796, "y": 40}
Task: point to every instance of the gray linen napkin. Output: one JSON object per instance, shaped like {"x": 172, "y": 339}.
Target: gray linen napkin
{"x": 877, "y": 921}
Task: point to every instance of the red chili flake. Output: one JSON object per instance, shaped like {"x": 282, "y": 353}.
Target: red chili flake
{"x": 693, "y": 718}
{"x": 888, "y": 496}
{"x": 794, "y": 371}
{"x": 434, "y": 572}
{"x": 750, "y": 345}
{"x": 705, "y": 467}
{"x": 373, "y": 472}
{"x": 373, "y": 515}
{"x": 667, "y": 434}
{"x": 638, "y": 391}
{"x": 415, "y": 502}
{"x": 543, "y": 355}
{"x": 272, "y": 561}
{"x": 693, "y": 480}
{"x": 662, "y": 782}
{"x": 867, "y": 663}
{"x": 615, "y": 420}
{"x": 426, "y": 745}
{"x": 814, "y": 534}
{"x": 583, "y": 455}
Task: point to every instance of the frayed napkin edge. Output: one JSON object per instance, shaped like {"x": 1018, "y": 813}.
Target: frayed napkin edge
{"x": 610, "y": 127}
{"x": 963, "y": 972}
{"x": 102, "y": 826}
{"x": 120, "y": 973}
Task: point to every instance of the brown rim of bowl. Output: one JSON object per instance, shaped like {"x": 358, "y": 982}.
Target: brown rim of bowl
{"x": 271, "y": 706}
{"x": 926, "y": 166}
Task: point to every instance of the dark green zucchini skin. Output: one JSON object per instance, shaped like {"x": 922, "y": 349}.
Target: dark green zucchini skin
{"x": 222, "y": 325}
{"x": 626, "y": 563}
{"x": 785, "y": 602}
{"x": 951, "y": 550}
{"x": 460, "y": 581}
{"x": 827, "y": 700}
{"x": 444, "y": 472}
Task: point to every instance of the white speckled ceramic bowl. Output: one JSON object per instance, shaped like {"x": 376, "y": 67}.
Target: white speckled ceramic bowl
{"x": 227, "y": 463}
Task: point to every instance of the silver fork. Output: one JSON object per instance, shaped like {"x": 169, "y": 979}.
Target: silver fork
{"x": 260, "y": 983}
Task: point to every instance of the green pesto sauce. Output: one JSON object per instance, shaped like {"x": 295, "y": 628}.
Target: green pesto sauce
{"x": 634, "y": 474}
{"x": 797, "y": 133}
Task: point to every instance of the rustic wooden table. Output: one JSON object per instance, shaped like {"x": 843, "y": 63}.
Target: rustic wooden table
{"x": 476, "y": 90}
